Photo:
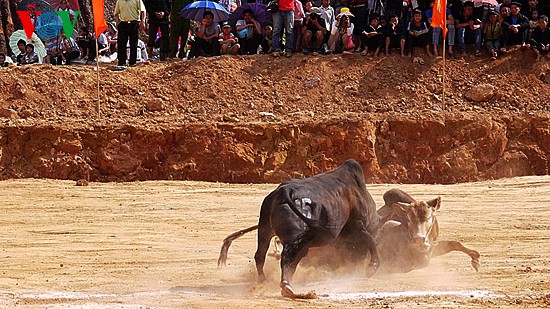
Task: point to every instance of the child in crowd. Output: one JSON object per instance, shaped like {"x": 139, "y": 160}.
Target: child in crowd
{"x": 3, "y": 62}
{"x": 540, "y": 43}
{"x": 22, "y": 51}
{"x": 492, "y": 33}
{"x": 30, "y": 56}
{"x": 372, "y": 36}
{"x": 533, "y": 23}
{"x": 267, "y": 39}
{"x": 417, "y": 34}
{"x": 394, "y": 36}
{"x": 228, "y": 41}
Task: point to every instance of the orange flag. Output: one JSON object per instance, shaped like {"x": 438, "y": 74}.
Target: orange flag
{"x": 439, "y": 16}
{"x": 100, "y": 24}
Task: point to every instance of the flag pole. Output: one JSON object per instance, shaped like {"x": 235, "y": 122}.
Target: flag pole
{"x": 97, "y": 69}
{"x": 443, "y": 81}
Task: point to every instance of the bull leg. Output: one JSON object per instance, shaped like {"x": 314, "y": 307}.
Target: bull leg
{"x": 445, "y": 246}
{"x": 374, "y": 259}
{"x": 290, "y": 257}
{"x": 264, "y": 237}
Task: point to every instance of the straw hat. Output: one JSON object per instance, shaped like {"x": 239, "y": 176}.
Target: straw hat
{"x": 344, "y": 11}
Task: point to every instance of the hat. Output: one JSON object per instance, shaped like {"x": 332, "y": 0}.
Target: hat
{"x": 226, "y": 25}
{"x": 31, "y": 5}
{"x": 417, "y": 11}
{"x": 344, "y": 11}
{"x": 315, "y": 10}
{"x": 493, "y": 12}
{"x": 112, "y": 24}
{"x": 469, "y": 3}
{"x": 516, "y": 4}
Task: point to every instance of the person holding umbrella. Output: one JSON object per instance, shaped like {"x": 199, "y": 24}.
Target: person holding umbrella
{"x": 130, "y": 18}
{"x": 249, "y": 33}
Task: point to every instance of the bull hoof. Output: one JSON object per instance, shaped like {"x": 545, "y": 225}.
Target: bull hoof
{"x": 371, "y": 270}
{"x": 286, "y": 291}
{"x": 475, "y": 264}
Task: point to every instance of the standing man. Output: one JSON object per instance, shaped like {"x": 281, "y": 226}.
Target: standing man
{"x": 179, "y": 29}
{"x": 130, "y": 17}
{"x": 157, "y": 17}
{"x": 283, "y": 19}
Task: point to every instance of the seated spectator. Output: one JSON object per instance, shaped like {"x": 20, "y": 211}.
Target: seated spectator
{"x": 314, "y": 30}
{"x": 228, "y": 41}
{"x": 21, "y": 44}
{"x": 514, "y": 27}
{"x": 142, "y": 55}
{"x": 327, "y": 14}
{"x": 267, "y": 39}
{"x": 249, "y": 33}
{"x": 372, "y": 36}
{"x": 504, "y": 12}
{"x": 540, "y": 43}
{"x": 468, "y": 29}
{"x": 492, "y": 33}
{"x": 206, "y": 39}
{"x": 394, "y": 36}
{"x": 53, "y": 53}
{"x": 69, "y": 48}
{"x": 3, "y": 62}
{"x": 85, "y": 41}
{"x": 417, "y": 34}
{"x": 112, "y": 37}
{"x": 30, "y": 56}
{"x": 341, "y": 33}
{"x": 437, "y": 31}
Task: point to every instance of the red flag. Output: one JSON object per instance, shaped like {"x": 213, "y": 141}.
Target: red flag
{"x": 100, "y": 25}
{"x": 28, "y": 24}
{"x": 439, "y": 16}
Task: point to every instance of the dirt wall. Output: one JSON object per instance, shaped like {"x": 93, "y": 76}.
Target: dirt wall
{"x": 434, "y": 148}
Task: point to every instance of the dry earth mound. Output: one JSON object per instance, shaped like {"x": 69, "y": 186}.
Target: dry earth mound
{"x": 259, "y": 119}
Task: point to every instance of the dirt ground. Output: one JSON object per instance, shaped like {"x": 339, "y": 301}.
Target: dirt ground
{"x": 155, "y": 245}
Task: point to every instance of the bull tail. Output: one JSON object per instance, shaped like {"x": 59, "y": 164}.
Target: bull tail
{"x": 227, "y": 243}
{"x": 311, "y": 223}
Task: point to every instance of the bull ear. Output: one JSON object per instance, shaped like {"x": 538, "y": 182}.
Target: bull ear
{"x": 435, "y": 203}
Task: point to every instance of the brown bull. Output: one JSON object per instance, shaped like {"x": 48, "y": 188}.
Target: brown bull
{"x": 413, "y": 240}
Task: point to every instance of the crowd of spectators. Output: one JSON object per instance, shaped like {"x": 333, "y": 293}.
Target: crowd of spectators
{"x": 316, "y": 27}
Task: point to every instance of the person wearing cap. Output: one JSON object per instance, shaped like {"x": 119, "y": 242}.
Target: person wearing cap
{"x": 228, "y": 41}
{"x": 32, "y": 12}
{"x": 314, "y": 30}
{"x": 436, "y": 32}
{"x": 492, "y": 34}
{"x": 468, "y": 29}
{"x": 130, "y": 18}
{"x": 249, "y": 32}
{"x": 341, "y": 33}
{"x": 157, "y": 19}
{"x": 514, "y": 27}
{"x": 417, "y": 34}
{"x": 283, "y": 19}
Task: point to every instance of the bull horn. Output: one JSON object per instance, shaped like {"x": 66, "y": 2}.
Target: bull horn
{"x": 403, "y": 204}
{"x": 391, "y": 223}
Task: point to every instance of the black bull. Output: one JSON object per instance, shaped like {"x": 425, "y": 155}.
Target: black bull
{"x": 327, "y": 209}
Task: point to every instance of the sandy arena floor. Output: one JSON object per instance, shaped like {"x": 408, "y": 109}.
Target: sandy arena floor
{"x": 155, "y": 245}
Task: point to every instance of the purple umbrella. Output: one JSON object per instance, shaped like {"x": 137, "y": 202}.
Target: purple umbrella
{"x": 258, "y": 10}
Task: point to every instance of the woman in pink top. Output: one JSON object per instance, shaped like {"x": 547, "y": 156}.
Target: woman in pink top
{"x": 298, "y": 18}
